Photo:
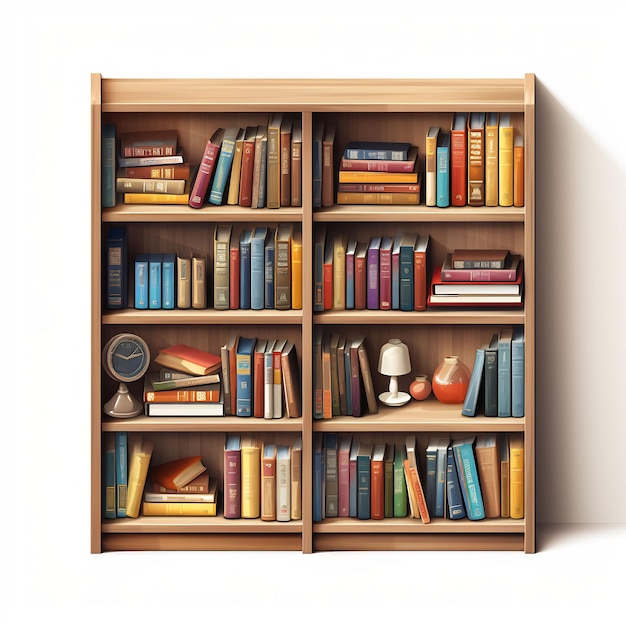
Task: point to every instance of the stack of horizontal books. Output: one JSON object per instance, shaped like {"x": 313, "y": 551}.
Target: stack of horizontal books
{"x": 378, "y": 172}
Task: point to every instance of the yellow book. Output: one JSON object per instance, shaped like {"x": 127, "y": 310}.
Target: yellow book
{"x": 268, "y": 482}
{"x": 296, "y": 478}
{"x": 235, "y": 170}
{"x": 358, "y": 197}
{"x": 250, "y": 477}
{"x": 296, "y": 269}
{"x": 339, "y": 272}
{"x": 180, "y": 508}
{"x": 378, "y": 177}
{"x": 140, "y": 454}
{"x": 491, "y": 159}
{"x": 505, "y": 163}
{"x": 516, "y": 472}
{"x": 183, "y": 282}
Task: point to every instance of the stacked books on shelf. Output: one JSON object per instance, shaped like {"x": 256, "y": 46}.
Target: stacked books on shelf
{"x": 262, "y": 478}
{"x": 375, "y": 172}
{"x": 457, "y": 477}
{"x": 478, "y": 277}
{"x": 151, "y": 168}
{"x": 181, "y": 486}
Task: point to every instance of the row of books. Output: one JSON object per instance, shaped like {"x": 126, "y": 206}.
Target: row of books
{"x": 262, "y": 478}
{"x": 478, "y": 161}
{"x": 342, "y": 376}
{"x": 466, "y": 477}
{"x": 379, "y": 173}
{"x": 253, "y": 268}
{"x": 496, "y": 386}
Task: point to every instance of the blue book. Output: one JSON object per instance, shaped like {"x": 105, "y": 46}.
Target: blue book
{"x": 504, "y": 372}
{"x": 430, "y": 486}
{"x": 407, "y": 263}
{"x": 318, "y": 478}
{"x": 141, "y": 281}
{"x": 154, "y": 281}
{"x": 377, "y": 150}
{"x": 257, "y": 268}
{"x": 245, "y": 378}
{"x": 443, "y": 170}
{"x": 395, "y": 272}
{"x": 373, "y": 275}
{"x": 245, "y": 269}
{"x": 116, "y": 268}
{"x": 456, "y": 508}
{"x": 121, "y": 472}
{"x": 468, "y": 477}
{"x": 443, "y": 443}
{"x": 270, "y": 264}
{"x": 108, "y": 195}
{"x": 517, "y": 372}
{"x": 318, "y": 267}
{"x": 168, "y": 278}
{"x": 474, "y": 389}
{"x": 363, "y": 474}
{"x": 109, "y": 507}
{"x": 350, "y": 252}
{"x": 224, "y": 165}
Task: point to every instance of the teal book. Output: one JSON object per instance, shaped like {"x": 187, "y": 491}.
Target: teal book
{"x": 443, "y": 170}
{"x": 257, "y": 268}
{"x": 364, "y": 476}
{"x": 244, "y": 374}
{"x": 108, "y": 167}
{"x": 109, "y": 505}
{"x": 504, "y": 372}
{"x": 155, "y": 265}
{"x": 121, "y": 472}
{"x": 430, "y": 485}
{"x": 318, "y": 477}
{"x": 331, "y": 475}
{"x": 456, "y": 508}
{"x": 350, "y": 252}
{"x": 468, "y": 477}
{"x": 441, "y": 500}
{"x": 270, "y": 267}
{"x": 245, "y": 269}
{"x": 400, "y": 496}
{"x": 224, "y": 165}
{"x": 517, "y": 372}
{"x": 142, "y": 262}
{"x": 116, "y": 268}
{"x": 491, "y": 377}
{"x": 475, "y": 388}
{"x": 168, "y": 281}
{"x": 407, "y": 263}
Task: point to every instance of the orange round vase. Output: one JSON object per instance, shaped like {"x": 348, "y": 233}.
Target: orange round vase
{"x": 420, "y": 387}
{"x": 450, "y": 380}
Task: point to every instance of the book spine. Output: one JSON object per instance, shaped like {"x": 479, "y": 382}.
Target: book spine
{"x": 517, "y": 375}
{"x": 407, "y": 273}
{"x": 221, "y": 277}
{"x": 247, "y": 172}
{"x": 476, "y": 167}
{"x": 149, "y": 185}
{"x": 198, "y": 283}
{"x": 154, "y": 281}
{"x": 234, "y": 278}
{"x": 518, "y": 171}
{"x": 141, "y": 281}
{"x": 443, "y": 176}
{"x": 283, "y": 487}
{"x": 468, "y": 477}
{"x": 203, "y": 178}
{"x": 183, "y": 395}
{"x": 285, "y": 167}
{"x": 431, "y": 169}
{"x": 165, "y": 172}
{"x": 456, "y": 508}
{"x": 377, "y": 489}
{"x": 244, "y": 384}
{"x": 331, "y": 478}
{"x": 121, "y": 473}
{"x": 296, "y": 272}
{"x": 183, "y": 283}
{"x": 373, "y": 278}
{"x": 363, "y": 505}
{"x": 273, "y": 166}
{"x": 180, "y": 508}
{"x": 270, "y": 272}
{"x": 168, "y": 279}
{"x": 376, "y": 165}
{"x": 108, "y": 195}
{"x": 356, "y": 197}
{"x": 458, "y": 167}
{"x": 109, "y": 507}
{"x": 420, "y": 280}
{"x": 250, "y": 482}
{"x": 222, "y": 171}
{"x": 257, "y": 272}
{"x": 505, "y": 166}
{"x": 491, "y": 165}
{"x": 245, "y": 275}
{"x": 282, "y": 274}
{"x": 116, "y": 269}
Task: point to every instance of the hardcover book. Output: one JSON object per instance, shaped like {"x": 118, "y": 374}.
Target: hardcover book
{"x": 168, "y": 281}
{"x": 184, "y": 409}
{"x": 245, "y": 391}
{"x": 382, "y": 165}
{"x": 235, "y": 170}
{"x": 388, "y": 478}
{"x": 193, "y": 509}
{"x": 407, "y": 270}
{"x": 198, "y": 283}
{"x": 377, "y": 482}
{"x": 475, "y": 391}
{"x": 421, "y": 271}
{"x": 160, "y": 494}
{"x": 121, "y": 472}
{"x": 245, "y": 269}
{"x": 488, "y": 462}
{"x": 468, "y": 477}
{"x": 504, "y": 372}
{"x": 257, "y": 268}
{"x": 198, "y": 486}
{"x": 414, "y": 475}
{"x": 224, "y": 165}
{"x": 319, "y": 498}
{"x": 186, "y": 358}
{"x": 507, "y": 274}
{"x": 518, "y": 170}
{"x": 384, "y": 273}
{"x": 296, "y": 269}
{"x": 259, "y": 168}
{"x": 221, "y": 266}
{"x": 516, "y": 470}
{"x": 517, "y": 372}
{"x": 443, "y": 170}
{"x": 258, "y": 402}
{"x": 328, "y": 173}
{"x": 318, "y": 140}
{"x": 116, "y": 268}
{"x": 142, "y": 281}
{"x": 373, "y": 273}
{"x": 108, "y": 477}
{"x": 247, "y": 166}
{"x": 505, "y": 161}
{"x": 206, "y": 170}
{"x": 208, "y": 392}
{"x": 357, "y": 197}
{"x": 352, "y": 176}
{"x": 480, "y": 258}
{"x": 339, "y": 271}
{"x": 183, "y": 282}
{"x": 285, "y": 161}
{"x": 268, "y": 481}
{"x": 431, "y": 165}
{"x": 283, "y": 267}
{"x": 273, "y": 161}
{"x": 250, "y": 477}
{"x": 277, "y": 378}
{"x": 382, "y": 150}
{"x": 476, "y": 160}
{"x": 183, "y": 171}
{"x": 270, "y": 268}
{"x": 492, "y": 121}
{"x": 331, "y": 478}
{"x": 232, "y": 477}
{"x": 291, "y": 380}
{"x": 283, "y": 483}
{"x": 456, "y": 508}
{"x": 475, "y": 287}
{"x": 108, "y": 196}
{"x": 491, "y": 377}
{"x": 148, "y": 143}
{"x": 159, "y": 161}
{"x": 343, "y": 475}
{"x": 400, "y": 496}
{"x": 363, "y": 475}
{"x": 155, "y": 265}
{"x": 139, "y": 455}
{"x": 458, "y": 160}
{"x": 178, "y": 472}
{"x": 149, "y": 185}
{"x": 296, "y": 478}
{"x": 296, "y": 162}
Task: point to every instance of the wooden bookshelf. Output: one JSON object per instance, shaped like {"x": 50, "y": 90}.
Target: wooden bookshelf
{"x": 391, "y": 110}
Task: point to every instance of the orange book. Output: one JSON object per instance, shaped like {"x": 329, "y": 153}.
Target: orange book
{"x": 199, "y": 484}
{"x": 411, "y": 467}
{"x": 487, "y": 452}
{"x": 296, "y": 269}
{"x": 209, "y": 392}
{"x": 184, "y": 358}
{"x": 505, "y": 161}
{"x": 377, "y": 483}
{"x": 178, "y": 472}
{"x": 518, "y": 171}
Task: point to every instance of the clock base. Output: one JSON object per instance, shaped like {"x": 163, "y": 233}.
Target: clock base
{"x": 122, "y": 404}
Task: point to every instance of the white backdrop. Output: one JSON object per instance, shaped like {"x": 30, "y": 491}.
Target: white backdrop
{"x": 581, "y": 166}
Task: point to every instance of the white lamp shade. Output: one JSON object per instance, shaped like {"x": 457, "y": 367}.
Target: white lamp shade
{"x": 394, "y": 359}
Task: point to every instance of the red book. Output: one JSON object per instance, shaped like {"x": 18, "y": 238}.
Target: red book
{"x": 377, "y": 482}
{"x": 343, "y": 475}
{"x": 508, "y": 274}
{"x": 206, "y": 169}
{"x": 381, "y": 165}
{"x": 458, "y": 160}
{"x": 384, "y": 263}
{"x": 184, "y": 358}
{"x": 360, "y": 275}
{"x": 420, "y": 273}
{"x": 247, "y": 167}
{"x": 258, "y": 401}
{"x": 232, "y": 477}
{"x": 199, "y": 484}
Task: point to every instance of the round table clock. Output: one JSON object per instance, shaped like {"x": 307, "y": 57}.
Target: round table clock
{"x": 125, "y": 358}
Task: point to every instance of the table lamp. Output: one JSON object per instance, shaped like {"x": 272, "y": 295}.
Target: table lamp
{"x": 394, "y": 361}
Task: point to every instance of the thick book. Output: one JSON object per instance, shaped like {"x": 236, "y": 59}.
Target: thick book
{"x": 476, "y": 160}
{"x": 259, "y": 168}
{"x": 413, "y": 471}
{"x": 193, "y": 509}
{"x": 155, "y": 266}
{"x": 505, "y": 476}
{"x": 504, "y": 372}
{"x": 285, "y": 161}
{"x": 516, "y": 472}
{"x": 492, "y": 121}
{"x": 382, "y": 165}
{"x": 221, "y": 266}
{"x": 491, "y": 377}
{"x": 339, "y": 271}
{"x": 373, "y": 273}
{"x": 421, "y": 271}
{"x": 121, "y": 473}
{"x": 441, "y": 499}
{"x": 277, "y": 378}
{"x": 178, "y": 472}
{"x": 245, "y": 268}
{"x": 319, "y": 246}
{"x": 367, "y": 379}
{"x": 480, "y": 258}
{"x": 353, "y": 176}
{"x": 468, "y": 477}
{"x": 219, "y": 184}
{"x": 380, "y": 188}
{"x": 270, "y": 268}
{"x": 384, "y": 273}
{"x": 139, "y": 455}
{"x": 360, "y": 275}
{"x": 206, "y": 169}
{"x": 234, "y": 272}
{"x": 354, "y": 451}
{"x": 283, "y": 266}
{"x": 328, "y": 168}
{"x": 183, "y": 282}
{"x": 258, "y": 373}
{"x": 296, "y": 269}
{"x": 116, "y": 296}
{"x": 268, "y": 481}
{"x": 357, "y": 388}
{"x": 189, "y": 359}
{"x": 148, "y": 143}
{"x": 318, "y": 388}
{"x": 283, "y": 483}
{"x": 443, "y": 169}
{"x": 430, "y": 165}
{"x": 363, "y": 475}
{"x": 247, "y": 166}
{"x": 107, "y": 166}
{"x": 232, "y": 197}
{"x": 475, "y": 392}
{"x": 232, "y": 477}
{"x": 183, "y": 171}
{"x": 149, "y": 185}
{"x": 208, "y": 392}
{"x": 517, "y": 372}
{"x": 327, "y": 288}
{"x": 318, "y": 497}
{"x": 318, "y": 140}
{"x": 142, "y": 281}
{"x": 360, "y": 197}
{"x": 159, "y": 198}
{"x": 250, "y": 477}
{"x": 458, "y": 159}
{"x": 382, "y": 150}
{"x": 273, "y": 160}
{"x": 184, "y": 409}
{"x": 198, "y": 486}
{"x": 505, "y": 160}
{"x": 488, "y": 461}
{"x": 343, "y": 475}
{"x": 159, "y": 494}
{"x": 245, "y": 387}
{"x": 257, "y": 267}
{"x": 506, "y": 274}
{"x": 331, "y": 477}
{"x": 407, "y": 270}
{"x": 430, "y": 480}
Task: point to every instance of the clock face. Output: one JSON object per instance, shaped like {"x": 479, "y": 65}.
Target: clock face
{"x": 126, "y": 357}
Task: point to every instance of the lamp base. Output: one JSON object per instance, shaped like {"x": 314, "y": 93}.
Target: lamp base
{"x": 122, "y": 404}
{"x": 391, "y": 399}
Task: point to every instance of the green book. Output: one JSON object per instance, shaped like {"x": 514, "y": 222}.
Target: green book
{"x": 400, "y": 498}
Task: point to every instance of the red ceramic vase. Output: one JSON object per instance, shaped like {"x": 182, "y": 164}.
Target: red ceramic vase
{"x": 450, "y": 380}
{"x": 420, "y": 388}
